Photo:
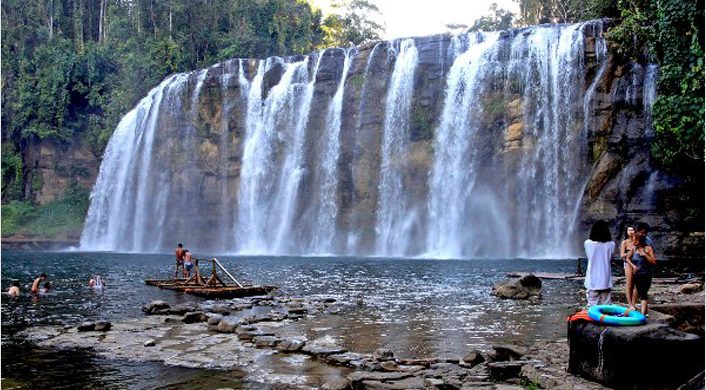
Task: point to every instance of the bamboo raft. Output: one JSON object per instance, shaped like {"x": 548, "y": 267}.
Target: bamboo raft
{"x": 213, "y": 287}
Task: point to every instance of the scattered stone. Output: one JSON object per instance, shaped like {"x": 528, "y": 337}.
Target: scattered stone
{"x": 506, "y": 352}
{"x": 388, "y": 366}
{"x": 336, "y": 384}
{"x": 383, "y": 354}
{"x": 329, "y": 300}
{"x": 171, "y": 320}
{"x": 214, "y": 319}
{"x": 194, "y": 317}
{"x": 182, "y": 308}
{"x": 291, "y": 345}
{"x": 218, "y": 309}
{"x": 266, "y": 341}
{"x": 691, "y": 288}
{"x": 474, "y": 357}
{"x": 360, "y": 376}
{"x": 156, "y": 306}
{"x": 322, "y": 350}
{"x": 86, "y": 327}
{"x": 296, "y": 309}
{"x": 519, "y": 288}
{"x": 150, "y": 343}
{"x": 250, "y": 335}
{"x": 228, "y": 325}
{"x": 240, "y": 306}
{"x": 344, "y": 359}
{"x": 100, "y": 326}
{"x": 501, "y": 371}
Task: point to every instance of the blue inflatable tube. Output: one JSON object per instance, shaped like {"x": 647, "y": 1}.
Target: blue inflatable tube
{"x": 616, "y": 315}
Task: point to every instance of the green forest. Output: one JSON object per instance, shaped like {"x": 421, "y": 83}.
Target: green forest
{"x": 72, "y": 68}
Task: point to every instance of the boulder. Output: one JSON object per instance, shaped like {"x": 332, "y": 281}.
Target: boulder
{"x": 228, "y": 325}
{"x": 194, "y": 317}
{"x": 149, "y": 343}
{"x": 156, "y": 307}
{"x": 100, "y": 326}
{"x": 322, "y": 350}
{"x": 474, "y": 357}
{"x": 664, "y": 357}
{"x": 182, "y": 308}
{"x": 691, "y": 288}
{"x": 383, "y": 354}
{"x": 266, "y": 341}
{"x": 501, "y": 371}
{"x": 518, "y": 288}
{"x": 336, "y": 384}
{"x": 214, "y": 319}
{"x": 506, "y": 352}
{"x": 291, "y": 345}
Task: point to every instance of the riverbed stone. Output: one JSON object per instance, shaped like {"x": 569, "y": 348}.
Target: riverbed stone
{"x": 518, "y": 288}
{"x": 336, "y": 384}
{"x": 473, "y": 357}
{"x": 606, "y": 354}
{"x": 182, "y": 308}
{"x": 228, "y": 325}
{"x": 506, "y": 352}
{"x": 291, "y": 345}
{"x": 322, "y": 350}
{"x": 266, "y": 341}
{"x": 194, "y": 317}
{"x": 150, "y": 343}
{"x": 501, "y": 371}
{"x": 156, "y": 306}
{"x": 383, "y": 354}
{"x": 214, "y": 319}
{"x": 691, "y": 288}
{"x": 100, "y": 326}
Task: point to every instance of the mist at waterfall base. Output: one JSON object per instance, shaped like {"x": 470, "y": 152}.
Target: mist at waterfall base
{"x": 417, "y": 308}
{"x": 294, "y": 156}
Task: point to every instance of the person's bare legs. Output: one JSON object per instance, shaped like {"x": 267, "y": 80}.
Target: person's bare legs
{"x": 630, "y": 291}
{"x": 643, "y": 308}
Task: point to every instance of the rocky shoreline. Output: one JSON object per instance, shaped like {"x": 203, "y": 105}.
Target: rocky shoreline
{"x": 252, "y": 334}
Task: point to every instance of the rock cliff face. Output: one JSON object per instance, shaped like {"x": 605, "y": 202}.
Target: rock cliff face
{"x": 503, "y": 144}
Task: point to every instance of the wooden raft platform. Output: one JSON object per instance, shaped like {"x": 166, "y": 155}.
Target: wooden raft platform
{"x": 211, "y": 288}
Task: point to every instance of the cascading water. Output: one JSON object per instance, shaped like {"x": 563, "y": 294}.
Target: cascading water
{"x": 394, "y": 209}
{"x": 458, "y": 143}
{"x": 327, "y": 208}
{"x": 452, "y": 174}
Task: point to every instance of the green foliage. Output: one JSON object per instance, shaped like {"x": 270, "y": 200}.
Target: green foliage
{"x": 63, "y": 217}
{"x": 11, "y": 172}
{"x": 499, "y": 19}
{"x": 354, "y": 24}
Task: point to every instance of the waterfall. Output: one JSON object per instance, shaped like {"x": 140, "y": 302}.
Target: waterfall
{"x": 120, "y": 216}
{"x": 393, "y": 211}
{"x": 475, "y": 145}
{"x": 270, "y": 169}
{"x": 649, "y": 95}
{"x": 293, "y": 168}
{"x": 327, "y": 209}
{"x": 452, "y": 174}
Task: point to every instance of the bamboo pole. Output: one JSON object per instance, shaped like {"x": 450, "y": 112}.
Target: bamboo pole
{"x": 227, "y": 273}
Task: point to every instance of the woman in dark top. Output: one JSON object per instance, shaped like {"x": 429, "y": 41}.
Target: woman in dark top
{"x": 643, "y": 257}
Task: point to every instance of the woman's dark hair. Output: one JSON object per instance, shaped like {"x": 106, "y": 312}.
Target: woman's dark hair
{"x": 626, "y": 231}
{"x": 16, "y": 283}
{"x": 600, "y": 231}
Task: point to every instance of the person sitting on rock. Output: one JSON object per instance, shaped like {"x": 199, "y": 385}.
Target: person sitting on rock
{"x": 599, "y": 250}
{"x": 36, "y": 283}
{"x": 643, "y": 256}
{"x": 14, "y": 290}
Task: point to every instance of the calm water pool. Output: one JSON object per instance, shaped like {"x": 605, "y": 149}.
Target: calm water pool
{"x": 416, "y": 307}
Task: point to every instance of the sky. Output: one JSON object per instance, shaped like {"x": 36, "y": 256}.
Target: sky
{"x": 405, "y": 18}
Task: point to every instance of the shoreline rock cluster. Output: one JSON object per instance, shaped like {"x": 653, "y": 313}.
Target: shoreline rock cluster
{"x": 236, "y": 334}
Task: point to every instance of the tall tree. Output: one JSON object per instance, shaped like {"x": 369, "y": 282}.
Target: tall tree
{"x": 352, "y": 24}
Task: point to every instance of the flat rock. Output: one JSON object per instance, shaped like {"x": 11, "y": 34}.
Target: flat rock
{"x": 383, "y": 354}
{"x": 194, "y": 317}
{"x": 336, "y": 384}
{"x": 266, "y": 341}
{"x": 506, "y": 352}
{"x": 360, "y": 376}
{"x": 182, "y": 308}
{"x": 402, "y": 384}
{"x": 474, "y": 357}
{"x": 291, "y": 345}
{"x": 322, "y": 350}
{"x": 501, "y": 371}
{"x": 156, "y": 306}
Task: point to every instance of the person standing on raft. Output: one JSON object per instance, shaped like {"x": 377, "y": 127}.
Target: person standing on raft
{"x": 179, "y": 253}
{"x": 599, "y": 251}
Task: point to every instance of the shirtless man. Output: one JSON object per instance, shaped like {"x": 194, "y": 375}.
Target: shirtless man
{"x": 179, "y": 253}
{"x": 36, "y": 283}
{"x": 188, "y": 263}
{"x": 14, "y": 291}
